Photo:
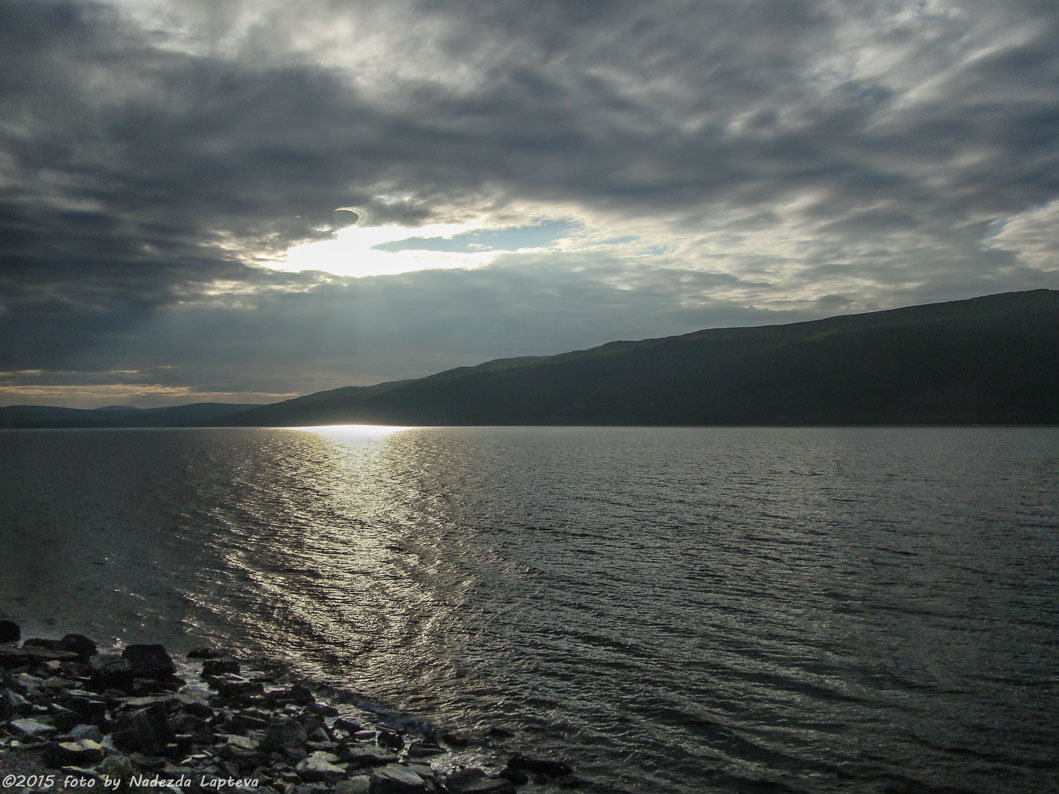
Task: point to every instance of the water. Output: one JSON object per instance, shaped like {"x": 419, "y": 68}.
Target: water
{"x": 808, "y": 610}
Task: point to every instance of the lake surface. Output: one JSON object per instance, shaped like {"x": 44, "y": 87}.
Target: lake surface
{"x": 672, "y": 610}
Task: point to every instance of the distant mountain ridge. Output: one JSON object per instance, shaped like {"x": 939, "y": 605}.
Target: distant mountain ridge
{"x": 195, "y": 414}
{"x": 989, "y": 360}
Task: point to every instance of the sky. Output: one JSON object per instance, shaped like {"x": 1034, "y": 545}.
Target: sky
{"x": 227, "y": 201}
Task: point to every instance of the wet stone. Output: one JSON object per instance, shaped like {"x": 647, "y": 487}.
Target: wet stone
{"x": 9, "y": 631}
{"x": 14, "y": 657}
{"x": 236, "y": 687}
{"x": 149, "y": 661}
{"x": 79, "y": 732}
{"x": 220, "y": 666}
{"x": 79, "y": 644}
{"x": 320, "y": 767}
{"x": 24, "y": 683}
{"x": 366, "y": 756}
{"x": 111, "y": 672}
{"x": 146, "y": 731}
{"x": 360, "y": 784}
{"x": 13, "y": 704}
{"x": 63, "y": 718}
{"x": 541, "y": 766}
{"x": 205, "y": 653}
{"x": 322, "y": 709}
{"x": 76, "y": 753}
{"x": 192, "y": 705}
{"x": 396, "y": 779}
{"x": 41, "y": 654}
{"x": 32, "y": 728}
{"x": 389, "y": 739}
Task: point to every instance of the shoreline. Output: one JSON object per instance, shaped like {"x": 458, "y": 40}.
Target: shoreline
{"x": 74, "y": 718}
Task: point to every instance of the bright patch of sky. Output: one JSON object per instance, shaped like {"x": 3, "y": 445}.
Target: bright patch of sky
{"x": 388, "y": 250}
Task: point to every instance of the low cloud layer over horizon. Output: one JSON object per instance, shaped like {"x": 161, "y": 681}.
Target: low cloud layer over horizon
{"x": 245, "y": 201}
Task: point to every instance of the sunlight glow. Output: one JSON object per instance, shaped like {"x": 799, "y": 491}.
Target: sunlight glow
{"x": 353, "y": 251}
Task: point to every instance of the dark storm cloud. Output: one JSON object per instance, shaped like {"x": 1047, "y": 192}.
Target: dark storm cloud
{"x": 807, "y": 154}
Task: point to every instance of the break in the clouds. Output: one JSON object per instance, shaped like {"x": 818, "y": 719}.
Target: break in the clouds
{"x": 245, "y": 200}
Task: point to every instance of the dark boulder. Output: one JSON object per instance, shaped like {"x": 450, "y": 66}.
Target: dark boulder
{"x": 111, "y": 672}
{"x": 235, "y": 688}
{"x": 13, "y": 704}
{"x": 149, "y": 661}
{"x": 475, "y": 781}
{"x": 75, "y": 753}
{"x": 63, "y": 718}
{"x": 144, "y": 731}
{"x": 93, "y": 709}
{"x": 539, "y": 766}
{"x": 516, "y": 776}
{"x": 397, "y": 779}
{"x": 9, "y": 631}
{"x": 220, "y": 666}
{"x": 41, "y": 654}
{"x": 389, "y": 740}
{"x": 282, "y": 735}
{"x": 79, "y": 644}
{"x": 205, "y": 653}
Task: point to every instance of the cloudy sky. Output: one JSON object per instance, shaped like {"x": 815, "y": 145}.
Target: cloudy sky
{"x": 216, "y": 200}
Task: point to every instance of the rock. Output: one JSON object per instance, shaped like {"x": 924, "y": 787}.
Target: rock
{"x": 14, "y": 657}
{"x": 255, "y": 717}
{"x": 295, "y": 693}
{"x": 397, "y": 779}
{"x": 347, "y": 725}
{"x": 360, "y": 784}
{"x": 220, "y": 667}
{"x": 79, "y": 732}
{"x": 359, "y": 757}
{"x": 147, "y": 761}
{"x": 390, "y": 740}
{"x": 453, "y": 739}
{"x": 320, "y": 767}
{"x": 90, "y": 707}
{"x": 205, "y": 653}
{"x": 13, "y": 704}
{"x": 145, "y": 731}
{"x": 516, "y": 776}
{"x": 233, "y": 724}
{"x": 40, "y": 654}
{"x": 541, "y": 766}
{"x": 235, "y": 687}
{"x": 475, "y": 781}
{"x": 58, "y": 682}
{"x": 34, "y": 729}
{"x": 322, "y": 709}
{"x": 192, "y": 705}
{"x": 149, "y": 661}
{"x": 85, "y": 751}
{"x": 9, "y": 631}
{"x": 79, "y": 644}
{"x": 26, "y": 684}
{"x": 111, "y": 672}
{"x": 283, "y": 735}
{"x": 63, "y": 718}
{"x": 423, "y": 749}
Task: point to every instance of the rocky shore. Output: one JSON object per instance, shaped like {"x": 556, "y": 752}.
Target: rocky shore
{"x": 74, "y": 719}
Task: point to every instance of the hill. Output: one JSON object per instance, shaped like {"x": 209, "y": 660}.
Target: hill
{"x": 989, "y": 360}
{"x": 43, "y": 416}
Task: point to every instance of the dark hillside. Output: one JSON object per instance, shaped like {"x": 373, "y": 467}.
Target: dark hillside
{"x": 990, "y": 360}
